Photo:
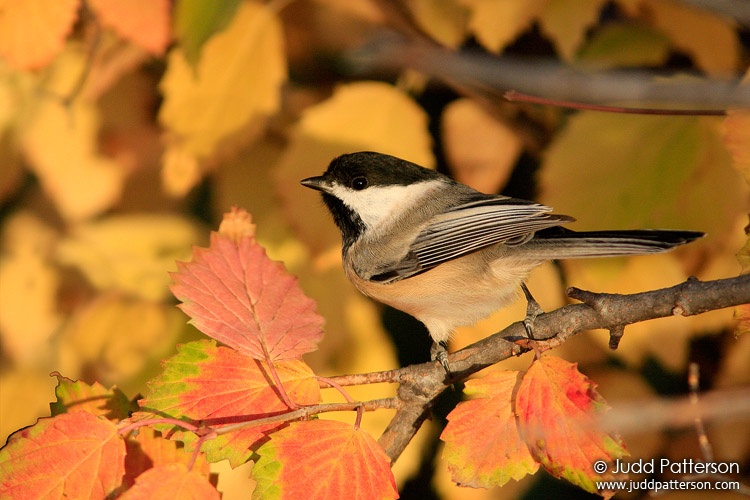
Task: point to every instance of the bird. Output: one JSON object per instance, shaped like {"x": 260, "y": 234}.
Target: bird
{"x": 446, "y": 254}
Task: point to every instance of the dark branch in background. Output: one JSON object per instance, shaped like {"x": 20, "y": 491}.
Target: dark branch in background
{"x": 421, "y": 384}
{"x": 488, "y": 75}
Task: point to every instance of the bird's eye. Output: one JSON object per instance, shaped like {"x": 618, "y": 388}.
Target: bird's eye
{"x": 359, "y": 183}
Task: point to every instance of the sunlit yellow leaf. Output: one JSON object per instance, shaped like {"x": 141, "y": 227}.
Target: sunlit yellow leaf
{"x": 496, "y": 23}
{"x": 444, "y": 20}
{"x": 28, "y": 290}
{"x": 114, "y": 337}
{"x": 130, "y": 253}
{"x": 235, "y": 84}
{"x": 32, "y": 32}
{"x": 143, "y": 22}
{"x": 60, "y": 144}
{"x": 359, "y": 116}
{"x": 665, "y": 339}
{"x": 481, "y": 150}
{"x": 565, "y": 22}
{"x": 711, "y": 40}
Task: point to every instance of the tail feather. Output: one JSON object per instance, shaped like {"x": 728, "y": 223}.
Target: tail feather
{"x": 567, "y": 244}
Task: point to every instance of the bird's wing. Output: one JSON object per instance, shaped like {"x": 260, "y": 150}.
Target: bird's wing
{"x": 467, "y": 228}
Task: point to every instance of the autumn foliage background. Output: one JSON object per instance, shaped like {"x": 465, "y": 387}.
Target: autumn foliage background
{"x": 128, "y": 128}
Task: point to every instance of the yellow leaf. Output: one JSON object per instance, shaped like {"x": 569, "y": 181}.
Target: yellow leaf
{"x": 481, "y": 150}
{"x": 665, "y": 339}
{"x": 130, "y": 253}
{"x": 28, "y": 290}
{"x": 60, "y": 146}
{"x": 496, "y": 23}
{"x": 359, "y": 116}
{"x": 444, "y": 20}
{"x": 115, "y": 337}
{"x": 143, "y": 22}
{"x": 235, "y": 84}
{"x": 565, "y": 22}
{"x": 711, "y": 40}
{"x": 25, "y": 396}
{"x": 32, "y": 32}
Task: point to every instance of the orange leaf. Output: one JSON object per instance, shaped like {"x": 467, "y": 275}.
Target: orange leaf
{"x": 32, "y": 32}
{"x": 204, "y": 382}
{"x": 73, "y": 396}
{"x": 73, "y": 455}
{"x": 143, "y": 22}
{"x": 235, "y": 294}
{"x": 147, "y": 449}
{"x": 173, "y": 481}
{"x": 482, "y": 445}
{"x": 556, "y": 405}
{"x": 323, "y": 459}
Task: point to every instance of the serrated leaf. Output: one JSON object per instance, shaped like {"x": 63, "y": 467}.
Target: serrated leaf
{"x": 557, "y": 407}
{"x": 482, "y": 445}
{"x": 73, "y": 455}
{"x": 196, "y": 21}
{"x": 203, "y": 382}
{"x": 33, "y": 32}
{"x": 322, "y": 460}
{"x": 143, "y": 22}
{"x": 235, "y": 294}
{"x": 173, "y": 481}
{"x": 74, "y": 396}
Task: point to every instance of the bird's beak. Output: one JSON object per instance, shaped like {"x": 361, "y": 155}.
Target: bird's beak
{"x": 319, "y": 183}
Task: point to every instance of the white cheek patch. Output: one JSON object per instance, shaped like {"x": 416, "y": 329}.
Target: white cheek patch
{"x": 376, "y": 204}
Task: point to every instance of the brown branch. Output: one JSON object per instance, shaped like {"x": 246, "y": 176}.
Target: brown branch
{"x": 421, "y": 384}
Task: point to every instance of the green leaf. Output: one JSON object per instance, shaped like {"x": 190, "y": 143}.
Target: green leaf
{"x": 196, "y": 20}
{"x": 625, "y": 45}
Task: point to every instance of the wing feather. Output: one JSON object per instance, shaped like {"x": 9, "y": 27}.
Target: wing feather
{"x": 470, "y": 227}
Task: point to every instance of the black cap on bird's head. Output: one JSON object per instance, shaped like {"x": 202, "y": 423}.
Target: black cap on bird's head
{"x": 357, "y": 172}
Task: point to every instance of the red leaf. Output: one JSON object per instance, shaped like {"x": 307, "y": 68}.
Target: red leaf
{"x": 557, "y": 406}
{"x": 235, "y": 294}
{"x": 323, "y": 459}
{"x": 73, "y": 455}
{"x": 204, "y": 382}
{"x": 172, "y": 481}
{"x": 482, "y": 445}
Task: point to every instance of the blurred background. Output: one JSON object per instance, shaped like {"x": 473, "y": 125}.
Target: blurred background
{"x": 127, "y": 129}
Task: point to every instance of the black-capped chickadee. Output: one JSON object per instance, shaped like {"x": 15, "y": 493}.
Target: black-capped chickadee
{"x": 445, "y": 253}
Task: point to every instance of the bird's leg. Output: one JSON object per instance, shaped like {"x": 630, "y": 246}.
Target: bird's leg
{"x": 533, "y": 309}
{"x": 439, "y": 352}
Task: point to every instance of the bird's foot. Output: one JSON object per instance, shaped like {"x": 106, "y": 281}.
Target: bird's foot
{"x": 533, "y": 309}
{"x": 439, "y": 352}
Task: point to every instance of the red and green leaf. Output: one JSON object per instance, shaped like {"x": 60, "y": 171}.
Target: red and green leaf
{"x": 323, "y": 459}
{"x": 72, "y": 455}
{"x": 557, "y": 406}
{"x": 235, "y": 294}
{"x": 482, "y": 445}
{"x": 73, "y": 396}
{"x": 215, "y": 385}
